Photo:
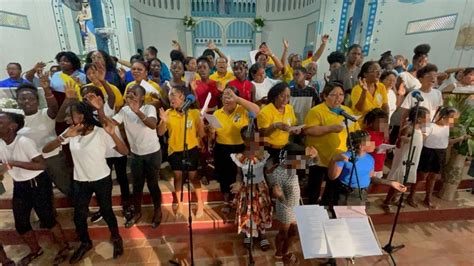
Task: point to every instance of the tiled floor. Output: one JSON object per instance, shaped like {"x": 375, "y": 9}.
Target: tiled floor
{"x": 440, "y": 243}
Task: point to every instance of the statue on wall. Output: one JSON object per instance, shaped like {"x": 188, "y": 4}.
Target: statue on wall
{"x": 86, "y": 26}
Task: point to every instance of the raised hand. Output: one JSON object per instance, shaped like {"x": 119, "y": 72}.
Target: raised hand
{"x": 133, "y": 103}
{"x": 211, "y": 45}
{"x": 175, "y": 44}
{"x": 44, "y": 80}
{"x": 286, "y": 45}
{"x": 229, "y": 94}
{"x": 39, "y": 65}
{"x": 122, "y": 72}
{"x": 325, "y": 38}
{"x": 94, "y": 100}
{"x": 100, "y": 72}
{"x": 70, "y": 90}
{"x": 163, "y": 115}
{"x": 74, "y": 130}
{"x": 363, "y": 84}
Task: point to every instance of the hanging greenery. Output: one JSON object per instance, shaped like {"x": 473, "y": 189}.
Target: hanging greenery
{"x": 259, "y": 22}
{"x": 189, "y": 22}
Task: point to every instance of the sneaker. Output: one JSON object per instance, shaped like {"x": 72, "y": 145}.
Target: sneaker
{"x": 96, "y": 217}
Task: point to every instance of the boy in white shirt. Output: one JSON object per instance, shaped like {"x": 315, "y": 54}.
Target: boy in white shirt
{"x": 432, "y": 99}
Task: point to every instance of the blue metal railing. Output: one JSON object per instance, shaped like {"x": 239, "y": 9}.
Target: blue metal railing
{"x": 223, "y": 8}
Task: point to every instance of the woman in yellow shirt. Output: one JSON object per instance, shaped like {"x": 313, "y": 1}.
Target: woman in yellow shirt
{"x": 172, "y": 121}
{"x": 96, "y": 75}
{"x": 276, "y": 119}
{"x": 369, "y": 93}
{"x": 325, "y": 131}
{"x": 233, "y": 116}
{"x": 139, "y": 73}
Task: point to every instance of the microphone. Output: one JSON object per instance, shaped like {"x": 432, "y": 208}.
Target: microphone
{"x": 250, "y": 128}
{"x": 417, "y": 95}
{"x": 190, "y": 99}
{"x": 339, "y": 111}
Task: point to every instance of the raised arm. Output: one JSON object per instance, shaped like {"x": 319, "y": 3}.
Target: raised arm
{"x": 71, "y": 97}
{"x": 51, "y": 102}
{"x": 30, "y": 74}
{"x": 320, "y": 51}
{"x": 211, "y": 45}
{"x": 162, "y": 125}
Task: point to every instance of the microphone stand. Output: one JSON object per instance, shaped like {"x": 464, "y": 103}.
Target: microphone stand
{"x": 389, "y": 248}
{"x": 186, "y": 164}
{"x": 250, "y": 177}
{"x": 352, "y": 159}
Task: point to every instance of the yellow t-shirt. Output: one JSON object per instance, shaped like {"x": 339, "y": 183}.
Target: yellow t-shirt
{"x": 223, "y": 80}
{"x": 379, "y": 98}
{"x": 118, "y": 95}
{"x": 148, "y": 97}
{"x": 229, "y": 133}
{"x": 329, "y": 144}
{"x": 175, "y": 125}
{"x": 269, "y": 115}
{"x": 288, "y": 70}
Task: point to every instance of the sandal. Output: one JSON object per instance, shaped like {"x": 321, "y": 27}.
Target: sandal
{"x": 264, "y": 244}
{"x": 62, "y": 255}
{"x": 30, "y": 257}
{"x": 290, "y": 259}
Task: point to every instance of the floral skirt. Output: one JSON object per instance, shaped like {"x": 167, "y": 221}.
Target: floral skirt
{"x": 262, "y": 209}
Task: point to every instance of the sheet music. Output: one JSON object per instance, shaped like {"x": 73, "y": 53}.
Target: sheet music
{"x": 310, "y": 220}
{"x": 297, "y": 127}
{"x": 213, "y": 121}
{"x": 384, "y": 147}
{"x": 350, "y": 211}
{"x": 189, "y": 77}
{"x": 363, "y": 239}
{"x": 339, "y": 238}
{"x": 206, "y": 103}
{"x": 148, "y": 88}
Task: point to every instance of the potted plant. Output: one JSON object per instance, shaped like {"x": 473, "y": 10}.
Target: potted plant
{"x": 453, "y": 170}
{"x": 259, "y": 23}
{"x": 189, "y": 22}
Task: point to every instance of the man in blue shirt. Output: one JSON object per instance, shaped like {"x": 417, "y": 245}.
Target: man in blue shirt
{"x": 353, "y": 189}
{"x": 14, "y": 73}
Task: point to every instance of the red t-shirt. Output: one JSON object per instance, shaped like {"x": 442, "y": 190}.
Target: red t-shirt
{"x": 203, "y": 88}
{"x": 379, "y": 158}
{"x": 245, "y": 88}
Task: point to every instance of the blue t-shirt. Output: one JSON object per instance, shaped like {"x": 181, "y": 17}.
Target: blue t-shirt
{"x": 365, "y": 165}
{"x": 9, "y": 82}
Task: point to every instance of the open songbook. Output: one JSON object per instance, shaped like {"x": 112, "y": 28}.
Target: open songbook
{"x": 322, "y": 237}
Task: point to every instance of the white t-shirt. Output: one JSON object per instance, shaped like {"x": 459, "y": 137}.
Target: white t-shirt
{"x": 109, "y": 112}
{"x": 41, "y": 129}
{"x": 88, "y": 154}
{"x": 392, "y": 103}
{"x": 143, "y": 140}
{"x": 411, "y": 82}
{"x": 262, "y": 89}
{"x": 437, "y": 137}
{"x": 432, "y": 100}
{"x": 22, "y": 149}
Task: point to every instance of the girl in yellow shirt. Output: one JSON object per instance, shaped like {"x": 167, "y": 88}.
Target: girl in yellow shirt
{"x": 139, "y": 73}
{"x": 369, "y": 93}
{"x": 276, "y": 119}
{"x": 233, "y": 116}
{"x": 172, "y": 121}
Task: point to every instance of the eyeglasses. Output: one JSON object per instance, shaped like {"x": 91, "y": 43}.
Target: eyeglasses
{"x": 336, "y": 94}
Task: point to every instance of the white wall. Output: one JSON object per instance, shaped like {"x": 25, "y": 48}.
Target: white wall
{"x": 39, "y": 43}
{"x": 394, "y": 18}
{"x": 160, "y": 26}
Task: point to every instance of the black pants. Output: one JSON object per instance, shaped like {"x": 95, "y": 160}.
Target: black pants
{"x": 146, "y": 167}
{"x": 60, "y": 173}
{"x": 82, "y": 196}
{"x": 274, "y": 154}
{"x": 315, "y": 179}
{"x": 36, "y": 193}
{"x": 119, "y": 164}
{"x": 356, "y": 197}
{"x": 226, "y": 169}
